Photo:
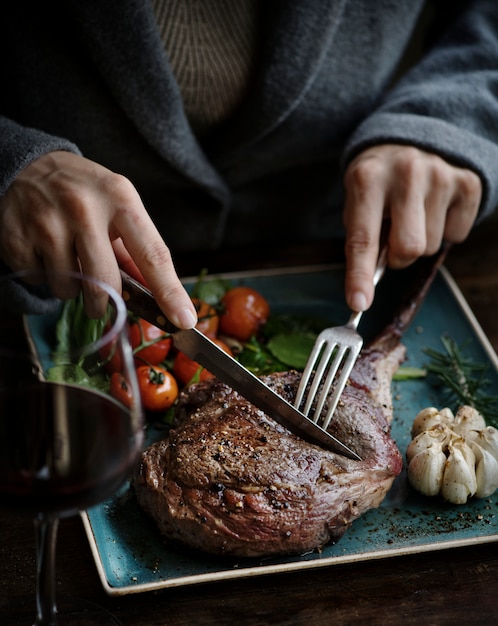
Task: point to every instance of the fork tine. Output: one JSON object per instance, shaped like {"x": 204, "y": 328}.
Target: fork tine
{"x": 348, "y": 364}
{"x": 308, "y": 370}
{"x": 326, "y": 354}
{"x": 340, "y": 350}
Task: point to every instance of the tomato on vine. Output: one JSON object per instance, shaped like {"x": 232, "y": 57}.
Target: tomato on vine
{"x": 158, "y": 388}
{"x": 150, "y": 344}
{"x": 245, "y": 310}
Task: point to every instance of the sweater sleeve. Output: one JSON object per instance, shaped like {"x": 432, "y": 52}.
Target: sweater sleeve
{"x": 448, "y": 102}
{"x": 20, "y": 145}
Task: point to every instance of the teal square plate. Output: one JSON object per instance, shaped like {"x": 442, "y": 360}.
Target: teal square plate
{"x": 131, "y": 555}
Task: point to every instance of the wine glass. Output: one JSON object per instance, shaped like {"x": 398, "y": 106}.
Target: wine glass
{"x": 71, "y": 423}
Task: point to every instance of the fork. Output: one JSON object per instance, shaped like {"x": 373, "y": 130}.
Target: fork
{"x": 335, "y": 348}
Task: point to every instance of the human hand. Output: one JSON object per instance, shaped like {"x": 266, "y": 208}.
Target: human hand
{"x": 66, "y": 212}
{"x": 423, "y": 198}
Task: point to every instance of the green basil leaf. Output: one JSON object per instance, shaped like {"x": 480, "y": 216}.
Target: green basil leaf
{"x": 292, "y": 349}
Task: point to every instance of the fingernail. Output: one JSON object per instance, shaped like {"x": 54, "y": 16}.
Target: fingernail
{"x": 186, "y": 319}
{"x": 358, "y": 301}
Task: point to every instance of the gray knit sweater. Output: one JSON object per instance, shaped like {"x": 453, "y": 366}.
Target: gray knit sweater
{"x": 93, "y": 77}
{"x": 211, "y": 47}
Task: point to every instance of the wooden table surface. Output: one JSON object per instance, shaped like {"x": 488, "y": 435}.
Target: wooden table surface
{"x": 453, "y": 586}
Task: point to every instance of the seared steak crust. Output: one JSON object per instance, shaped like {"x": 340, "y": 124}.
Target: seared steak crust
{"x": 230, "y": 480}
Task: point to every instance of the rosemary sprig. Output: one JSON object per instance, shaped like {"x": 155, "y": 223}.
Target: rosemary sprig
{"x": 463, "y": 380}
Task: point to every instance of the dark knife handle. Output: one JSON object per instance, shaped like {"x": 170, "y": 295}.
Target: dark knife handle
{"x": 139, "y": 300}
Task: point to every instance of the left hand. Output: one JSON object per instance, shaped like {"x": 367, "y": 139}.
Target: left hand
{"x": 425, "y": 198}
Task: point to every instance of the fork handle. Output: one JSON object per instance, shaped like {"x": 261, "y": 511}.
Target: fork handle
{"x": 355, "y": 318}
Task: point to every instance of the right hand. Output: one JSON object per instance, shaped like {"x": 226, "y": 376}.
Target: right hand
{"x": 65, "y": 212}
{"x": 423, "y": 198}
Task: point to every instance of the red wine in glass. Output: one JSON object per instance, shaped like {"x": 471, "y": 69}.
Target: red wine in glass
{"x": 65, "y": 444}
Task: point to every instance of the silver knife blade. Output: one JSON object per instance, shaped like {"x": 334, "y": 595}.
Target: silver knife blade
{"x": 201, "y": 349}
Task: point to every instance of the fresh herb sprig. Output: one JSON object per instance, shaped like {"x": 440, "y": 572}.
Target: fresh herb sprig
{"x": 73, "y": 331}
{"x": 462, "y": 379}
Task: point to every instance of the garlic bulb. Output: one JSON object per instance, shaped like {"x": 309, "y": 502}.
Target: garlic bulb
{"x": 455, "y": 456}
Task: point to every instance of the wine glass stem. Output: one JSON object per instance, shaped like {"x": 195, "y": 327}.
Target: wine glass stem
{"x": 46, "y": 537}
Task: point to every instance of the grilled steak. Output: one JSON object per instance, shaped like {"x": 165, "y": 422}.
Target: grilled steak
{"x": 230, "y": 480}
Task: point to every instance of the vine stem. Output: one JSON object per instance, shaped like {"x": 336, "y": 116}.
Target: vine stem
{"x": 46, "y": 527}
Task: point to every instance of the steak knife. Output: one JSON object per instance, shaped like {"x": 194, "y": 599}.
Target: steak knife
{"x": 201, "y": 349}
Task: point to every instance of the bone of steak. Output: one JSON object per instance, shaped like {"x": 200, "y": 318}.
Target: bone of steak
{"x": 230, "y": 480}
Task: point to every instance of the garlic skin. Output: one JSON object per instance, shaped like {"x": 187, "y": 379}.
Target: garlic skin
{"x": 459, "y": 477}
{"x": 440, "y": 434}
{"x": 468, "y": 419}
{"x": 429, "y": 417}
{"x": 455, "y": 456}
{"x": 488, "y": 439}
{"x": 425, "y": 471}
{"x": 486, "y": 471}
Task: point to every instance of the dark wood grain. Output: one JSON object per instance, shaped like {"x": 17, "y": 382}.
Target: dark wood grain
{"x": 447, "y": 587}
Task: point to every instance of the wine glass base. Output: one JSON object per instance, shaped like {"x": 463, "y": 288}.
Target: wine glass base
{"x": 73, "y": 611}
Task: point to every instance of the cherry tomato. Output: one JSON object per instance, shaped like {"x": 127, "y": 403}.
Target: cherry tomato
{"x": 156, "y": 343}
{"x": 245, "y": 311}
{"x": 186, "y": 370}
{"x": 158, "y": 388}
{"x": 120, "y": 389}
{"x": 208, "y": 318}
